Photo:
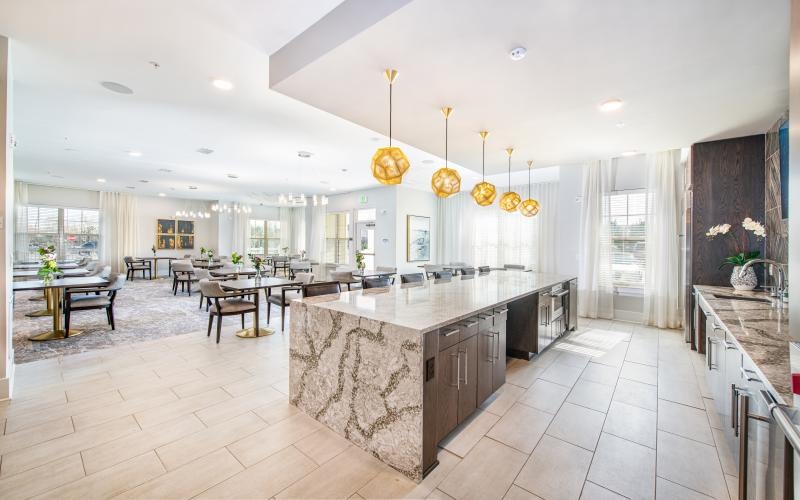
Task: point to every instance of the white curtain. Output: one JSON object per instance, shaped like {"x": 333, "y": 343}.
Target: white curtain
{"x": 316, "y": 245}
{"x": 488, "y": 236}
{"x": 662, "y": 289}
{"x": 595, "y": 278}
{"x": 119, "y": 233}
{"x": 298, "y": 240}
{"x": 241, "y": 233}
{"x": 286, "y": 228}
{"x": 21, "y": 239}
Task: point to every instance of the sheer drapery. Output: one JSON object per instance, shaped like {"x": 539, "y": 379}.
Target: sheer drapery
{"x": 316, "y": 245}
{"x": 298, "y": 241}
{"x": 488, "y": 236}
{"x": 662, "y": 289}
{"x": 241, "y": 233}
{"x": 286, "y": 228}
{"x": 119, "y": 233}
{"x": 21, "y": 240}
{"x": 595, "y": 278}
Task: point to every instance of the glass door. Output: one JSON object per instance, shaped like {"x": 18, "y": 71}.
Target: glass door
{"x": 365, "y": 242}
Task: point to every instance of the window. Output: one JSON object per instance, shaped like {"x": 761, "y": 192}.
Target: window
{"x": 74, "y": 232}
{"x": 337, "y": 240}
{"x": 626, "y": 214}
{"x": 265, "y": 237}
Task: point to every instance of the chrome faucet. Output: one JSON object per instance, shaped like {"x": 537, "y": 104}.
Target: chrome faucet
{"x": 780, "y": 285}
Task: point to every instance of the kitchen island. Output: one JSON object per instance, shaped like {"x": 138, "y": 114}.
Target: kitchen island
{"x": 394, "y": 370}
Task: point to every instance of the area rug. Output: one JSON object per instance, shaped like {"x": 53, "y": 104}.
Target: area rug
{"x": 144, "y": 310}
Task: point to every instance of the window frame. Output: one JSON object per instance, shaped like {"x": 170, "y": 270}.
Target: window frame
{"x": 61, "y": 237}
{"x": 628, "y": 287}
{"x": 266, "y": 240}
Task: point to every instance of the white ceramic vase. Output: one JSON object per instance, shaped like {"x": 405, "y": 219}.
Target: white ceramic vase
{"x": 747, "y": 281}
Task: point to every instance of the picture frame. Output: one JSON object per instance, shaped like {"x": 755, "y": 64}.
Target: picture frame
{"x": 418, "y": 238}
{"x": 174, "y": 234}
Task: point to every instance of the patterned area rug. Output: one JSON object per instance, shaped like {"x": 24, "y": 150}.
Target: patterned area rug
{"x": 143, "y": 310}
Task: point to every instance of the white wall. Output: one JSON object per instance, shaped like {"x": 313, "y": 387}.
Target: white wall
{"x": 384, "y": 200}
{"x": 7, "y": 218}
{"x": 413, "y": 202}
{"x": 62, "y": 197}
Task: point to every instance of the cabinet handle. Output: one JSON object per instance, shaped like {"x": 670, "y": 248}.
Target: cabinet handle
{"x": 744, "y": 438}
{"x": 489, "y": 348}
{"x": 471, "y": 324}
{"x": 466, "y": 366}
{"x": 709, "y": 352}
{"x": 502, "y": 311}
{"x": 496, "y": 347}
{"x": 735, "y": 409}
{"x": 451, "y": 332}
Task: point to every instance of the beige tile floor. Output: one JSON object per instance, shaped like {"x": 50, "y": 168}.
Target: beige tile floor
{"x": 615, "y": 411}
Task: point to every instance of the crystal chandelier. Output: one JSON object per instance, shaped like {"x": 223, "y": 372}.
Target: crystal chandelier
{"x": 230, "y": 209}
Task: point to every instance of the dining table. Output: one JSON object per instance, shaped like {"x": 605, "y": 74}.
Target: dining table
{"x": 154, "y": 259}
{"x": 205, "y": 264}
{"x": 224, "y": 272}
{"x": 54, "y": 292}
{"x": 253, "y": 285}
{"x": 66, "y": 265}
{"x": 68, "y": 273}
{"x": 372, "y": 273}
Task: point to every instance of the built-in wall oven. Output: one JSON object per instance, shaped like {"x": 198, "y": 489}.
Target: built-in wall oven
{"x": 553, "y": 316}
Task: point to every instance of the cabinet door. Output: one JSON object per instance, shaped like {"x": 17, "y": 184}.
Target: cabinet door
{"x": 447, "y": 377}
{"x": 499, "y": 358}
{"x": 543, "y": 338}
{"x": 485, "y": 364}
{"x": 467, "y": 392}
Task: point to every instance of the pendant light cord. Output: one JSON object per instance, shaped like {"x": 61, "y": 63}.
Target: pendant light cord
{"x": 509, "y": 172}
{"x": 529, "y": 181}
{"x": 390, "y": 114}
{"x": 483, "y": 161}
{"x": 445, "y": 141}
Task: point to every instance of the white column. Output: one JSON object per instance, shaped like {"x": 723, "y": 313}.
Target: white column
{"x": 6, "y": 221}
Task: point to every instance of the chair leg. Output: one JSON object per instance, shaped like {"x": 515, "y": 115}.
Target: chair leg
{"x": 66, "y": 321}
{"x": 201, "y": 301}
{"x": 210, "y": 324}
{"x": 269, "y": 308}
{"x": 219, "y": 327}
{"x": 242, "y": 321}
{"x": 283, "y": 315}
{"x": 189, "y": 287}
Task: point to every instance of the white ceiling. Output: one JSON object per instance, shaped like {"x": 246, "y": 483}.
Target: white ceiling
{"x": 687, "y": 71}
{"x": 71, "y": 131}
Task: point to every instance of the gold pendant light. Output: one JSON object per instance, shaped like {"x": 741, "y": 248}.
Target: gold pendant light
{"x": 484, "y": 192}
{"x": 446, "y": 181}
{"x": 510, "y": 200}
{"x": 389, "y": 164}
{"x": 529, "y": 207}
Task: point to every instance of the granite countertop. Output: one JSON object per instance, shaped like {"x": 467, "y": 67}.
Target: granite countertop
{"x": 426, "y": 306}
{"x": 760, "y": 329}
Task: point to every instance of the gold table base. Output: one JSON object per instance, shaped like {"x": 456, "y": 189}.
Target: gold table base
{"x": 55, "y": 335}
{"x": 40, "y": 313}
{"x": 250, "y": 333}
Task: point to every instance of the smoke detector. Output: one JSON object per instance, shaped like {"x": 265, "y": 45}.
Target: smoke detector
{"x": 518, "y": 53}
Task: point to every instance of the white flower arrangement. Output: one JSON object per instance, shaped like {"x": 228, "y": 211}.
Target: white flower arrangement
{"x": 743, "y": 241}
{"x": 718, "y": 229}
{"x": 756, "y": 227}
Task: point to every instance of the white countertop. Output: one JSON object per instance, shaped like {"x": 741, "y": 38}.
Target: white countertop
{"x": 427, "y": 306}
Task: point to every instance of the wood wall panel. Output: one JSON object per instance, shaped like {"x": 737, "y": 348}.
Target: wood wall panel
{"x": 727, "y": 179}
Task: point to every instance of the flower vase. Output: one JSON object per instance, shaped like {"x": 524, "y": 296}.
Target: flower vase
{"x": 746, "y": 282}
{"x": 47, "y": 278}
{"x": 258, "y": 275}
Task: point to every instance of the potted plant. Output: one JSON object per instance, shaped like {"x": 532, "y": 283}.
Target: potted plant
{"x": 210, "y": 256}
{"x": 203, "y": 251}
{"x": 49, "y": 266}
{"x": 236, "y": 260}
{"x": 258, "y": 264}
{"x": 751, "y": 232}
{"x": 360, "y": 261}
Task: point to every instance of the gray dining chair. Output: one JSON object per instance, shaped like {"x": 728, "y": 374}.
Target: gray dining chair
{"x": 430, "y": 269}
{"x": 321, "y": 288}
{"x": 183, "y": 274}
{"x": 412, "y": 278}
{"x": 443, "y": 275}
{"x": 484, "y": 269}
{"x": 233, "y": 305}
{"x": 283, "y": 296}
{"x": 81, "y": 300}
{"x": 513, "y": 266}
{"x": 377, "y": 282}
{"x": 467, "y": 271}
{"x": 134, "y": 265}
{"x": 345, "y": 278}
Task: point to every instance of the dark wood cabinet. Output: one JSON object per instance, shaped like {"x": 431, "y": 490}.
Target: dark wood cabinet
{"x": 485, "y": 364}
{"x": 499, "y": 355}
{"x": 468, "y": 383}
{"x": 447, "y": 387}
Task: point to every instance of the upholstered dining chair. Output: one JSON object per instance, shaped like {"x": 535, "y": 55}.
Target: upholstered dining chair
{"x": 280, "y": 262}
{"x": 484, "y": 269}
{"x": 386, "y": 269}
{"x": 412, "y": 278}
{"x": 430, "y": 269}
{"x": 183, "y": 274}
{"x": 514, "y": 266}
{"x": 283, "y": 296}
{"x": 82, "y": 300}
{"x": 377, "y": 282}
{"x": 205, "y": 274}
{"x": 345, "y": 278}
{"x": 321, "y": 288}
{"x": 299, "y": 266}
{"x": 233, "y": 305}
{"x": 467, "y": 271}
{"x": 135, "y": 266}
{"x": 443, "y": 275}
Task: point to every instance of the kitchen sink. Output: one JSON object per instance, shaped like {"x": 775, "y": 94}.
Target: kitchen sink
{"x": 738, "y": 297}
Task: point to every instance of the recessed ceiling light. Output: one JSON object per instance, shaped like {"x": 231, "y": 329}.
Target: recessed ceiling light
{"x": 165, "y": 170}
{"x": 621, "y": 125}
{"x": 154, "y": 64}
{"x": 143, "y": 181}
{"x": 116, "y": 87}
{"x": 222, "y": 84}
{"x": 344, "y": 170}
{"x": 192, "y": 187}
{"x": 611, "y": 105}
{"x": 304, "y": 154}
{"x": 233, "y": 176}
{"x": 630, "y": 153}
{"x": 204, "y": 151}
{"x": 518, "y": 53}
{"x": 101, "y": 180}
{"x": 135, "y": 153}
{"x": 162, "y": 195}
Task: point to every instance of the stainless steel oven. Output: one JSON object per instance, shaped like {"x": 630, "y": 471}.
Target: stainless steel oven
{"x": 558, "y": 304}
